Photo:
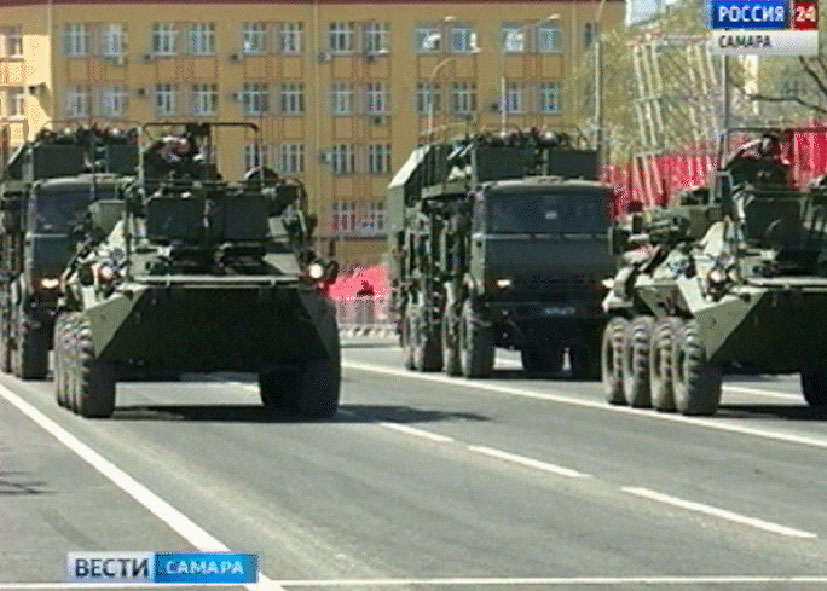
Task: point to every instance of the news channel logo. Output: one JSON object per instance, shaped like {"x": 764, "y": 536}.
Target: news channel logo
{"x": 165, "y": 568}
{"x": 771, "y": 28}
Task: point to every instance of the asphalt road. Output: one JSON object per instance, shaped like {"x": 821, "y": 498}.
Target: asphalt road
{"x": 424, "y": 482}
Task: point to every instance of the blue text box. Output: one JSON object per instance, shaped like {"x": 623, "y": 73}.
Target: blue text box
{"x": 748, "y": 14}
{"x": 206, "y": 568}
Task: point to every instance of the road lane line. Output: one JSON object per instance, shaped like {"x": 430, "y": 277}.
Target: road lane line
{"x": 524, "y": 461}
{"x": 574, "y": 401}
{"x": 180, "y": 523}
{"x": 418, "y": 432}
{"x": 720, "y": 513}
{"x": 760, "y": 392}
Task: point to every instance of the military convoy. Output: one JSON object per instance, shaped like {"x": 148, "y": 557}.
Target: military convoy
{"x": 731, "y": 277}
{"x": 500, "y": 240}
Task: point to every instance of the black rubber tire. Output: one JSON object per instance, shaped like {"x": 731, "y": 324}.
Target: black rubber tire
{"x": 636, "y": 363}
{"x": 537, "y": 358}
{"x": 661, "y": 390}
{"x": 96, "y": 380}
{"x": 427, "y": 349}
{"x": 32, "y": 353}
{"x": 612, "y": 347}
{"x": 814, "y": 388}
{"x": 57, "y": 360}
{"x": 476, "y": 344}
{"x": 697, "y": 382}
{"x": 6, "y": 350}
{"x": 275, "y": 387}
{"x": 405, "y": 339}
{"x": 70, "y": 363}
{"x": 450, "y": 346}
{"x": 319, "y": 389}
{"x": 585, "y": 359}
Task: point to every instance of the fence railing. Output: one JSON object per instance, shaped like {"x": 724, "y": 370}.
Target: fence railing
{"x": 364, "y": 315}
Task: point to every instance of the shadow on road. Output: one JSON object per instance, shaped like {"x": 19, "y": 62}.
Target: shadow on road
{"x": 10, "y": 485}
{"x": 253, "y": 413}
{"x": 519, "y": 374}
{"x": 779, "y": 411}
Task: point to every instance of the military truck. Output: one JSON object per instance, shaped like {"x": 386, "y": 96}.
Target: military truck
{"x": 500, "y": 240}
{"x": 729, "y": 278}
{"x": 187, "y": 272}
{"x": 44, "y": 185}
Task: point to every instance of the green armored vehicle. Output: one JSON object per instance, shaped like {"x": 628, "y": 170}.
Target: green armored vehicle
{"x": 729, "y": 278}
{"x": 500, "y": 241}
{"x": 186, "y": 272}
{"x": 44, "y": 186}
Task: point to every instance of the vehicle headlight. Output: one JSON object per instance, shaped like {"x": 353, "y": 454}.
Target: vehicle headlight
{"x": 315, "y": 271}
{"x": 503, "y": 283}
{"x": 106, "y": 273}
{"x": 50, "y": 283}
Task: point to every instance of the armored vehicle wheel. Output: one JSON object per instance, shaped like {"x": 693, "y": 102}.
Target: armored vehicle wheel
{"x": 57, "y": 361}
{"x": 96, "y": 380}
{"x": 660, "y": 364}
{"x": 476, "y": 344}
{"x": 612, "y": 349}
{"x": 427, "y": 350}
{"x": 537, "y": 358}
{"x": 5, "y": 353}
{"x": 814, "y": 387}
{"x": 450, "y": 346}
{"x": 405, "y": 341}
{"x": 697, "y": 382}
{"x": 636, "y": 362}
{"x": 275, "y": 388}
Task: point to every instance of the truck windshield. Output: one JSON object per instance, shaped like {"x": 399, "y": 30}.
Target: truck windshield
{"x": 59, "y": 212}
{"x": 543, "y": 213}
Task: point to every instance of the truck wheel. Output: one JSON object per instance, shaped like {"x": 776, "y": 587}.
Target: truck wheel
{"x": 585, "y": 360}
{"x": 636, "y": 363}
{"x": 96, "y": 380}
{"x": 539, "y": 359}
{"x": 660, "y": 364}
{"x": 814, "y": 387}
{"x": 427, "y": 353}
{"x": 450, "y": 347}
{"x": 5, "y": 352}
{"x": 319, "y": 388}
{"x": 405, "y": 340}
{"x": 33, "y": 353}
{"x": 697, "y": 382}
{"x": 612, "y": 349}
{"x": 276, "y": 389}
{"x": 477, "y": 344}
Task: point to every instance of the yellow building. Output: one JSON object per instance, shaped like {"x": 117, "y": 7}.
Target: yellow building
{"x": 341, "y": 90}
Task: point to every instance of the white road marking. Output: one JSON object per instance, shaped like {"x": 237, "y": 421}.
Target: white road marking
{"x": 720, "y": 513}
{"x": 644, "y": 581}
{"x": 573, "y": 401}
{"x": 524, "y": 461}
{"x": 177, "y": 521}
{"x": 761, "y": 392}
{"x": 418, "y": 432}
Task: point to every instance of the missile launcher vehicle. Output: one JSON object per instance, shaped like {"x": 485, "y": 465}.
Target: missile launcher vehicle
{"x": 186, "y": 272}
{"x": 500, "y": 241}
{"x": 729, "y": 278}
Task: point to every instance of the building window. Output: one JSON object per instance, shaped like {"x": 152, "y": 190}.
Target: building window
{"x": 340, "y": 37}
{"x": 379, "y": 159}
{"x": 253, "y": 38}
{"x": 290, "y": 37}
{"x": 204, "y": 99}
{"x": 463, "y": 39}
{"x": 292, "y": 99}
{"x": 548, "y": 38}
{"x": 77, "y": 101}
{"x": 374, "y": 222}
{"x": 113, "y": 40}
{"x": 513, "y": 38}
{"x": 163, "y": 39}
{"x": 342, "y": 159}
{"x": 377, "y": 98}
{"x": 255, "y": 155}
{"x": 344, "y": 217}
{"x": 589, "y": 30}
{"x": 254, "y": 98}
{"x": 292, "y": 159}
{"x": 425, "y": 93}
{"x": 792, "y": 89}
{"x": 428, "y": 39}
{"x": 550, "y": 97}
{"x": 14, "y": 41}
{"x": 113, "y": 101}
{"x": 341, "y": 98}
{"x": 464, "y": 97}
{"x": 75, "y": 40}
{"x": 377, "y": 38}
{"x": 514, "y": 98}
{"x": 165, "y": 99}
{"x": 202, "y": 39}
{"x": 15, "y": 102}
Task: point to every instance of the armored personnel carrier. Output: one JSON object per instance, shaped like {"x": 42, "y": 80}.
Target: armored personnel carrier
{"x": 44, "y": 186}
{"x": 731, "y": 277}
{"x": 500, "y": 241}
{"x": 186, "y": 272}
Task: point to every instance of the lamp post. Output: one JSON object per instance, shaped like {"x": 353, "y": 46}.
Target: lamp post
{"x": 431, "y": 80}
{"x": 598, "y": 83}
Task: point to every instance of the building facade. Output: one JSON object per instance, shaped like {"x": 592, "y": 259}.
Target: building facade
{"x": 342, "y": 91}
